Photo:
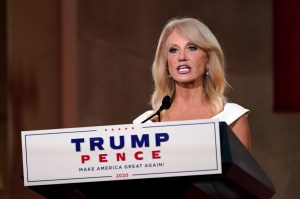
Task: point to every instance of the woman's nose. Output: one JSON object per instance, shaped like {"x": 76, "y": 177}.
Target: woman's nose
{"x": 182, "y": 56}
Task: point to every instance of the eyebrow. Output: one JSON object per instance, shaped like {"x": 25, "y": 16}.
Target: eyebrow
{"x": 188, "y": 43}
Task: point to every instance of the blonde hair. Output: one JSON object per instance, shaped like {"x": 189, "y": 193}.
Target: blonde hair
{"x": 197, "y": 32}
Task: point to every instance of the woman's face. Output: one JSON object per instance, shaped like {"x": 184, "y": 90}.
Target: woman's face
{"x": 185, "y": 60}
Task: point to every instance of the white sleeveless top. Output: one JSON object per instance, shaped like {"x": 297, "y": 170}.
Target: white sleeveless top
{"x": 230, "y": 114}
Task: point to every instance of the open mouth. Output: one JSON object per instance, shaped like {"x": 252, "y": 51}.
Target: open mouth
{"x": 184, "y": 68}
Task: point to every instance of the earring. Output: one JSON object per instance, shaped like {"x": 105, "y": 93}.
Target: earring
{"x": 170, "y": 76}
{"x": 206, "y": 71}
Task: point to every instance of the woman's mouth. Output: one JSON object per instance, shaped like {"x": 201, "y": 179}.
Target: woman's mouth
{"x": 183, "y": 69}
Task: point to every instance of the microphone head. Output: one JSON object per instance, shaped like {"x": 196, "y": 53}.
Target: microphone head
{"x": 166, "y": 103}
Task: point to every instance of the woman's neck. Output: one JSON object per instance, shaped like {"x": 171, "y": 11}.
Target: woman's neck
{"x": 188, "y": 104}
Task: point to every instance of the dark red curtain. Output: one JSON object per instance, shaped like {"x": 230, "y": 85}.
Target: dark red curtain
{"x": 286, "y": 56}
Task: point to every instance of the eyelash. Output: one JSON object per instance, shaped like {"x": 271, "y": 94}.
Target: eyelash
{"x": 172, "y": 50}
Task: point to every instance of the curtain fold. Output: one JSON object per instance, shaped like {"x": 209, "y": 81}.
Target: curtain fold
{"x": 286, "y": 55}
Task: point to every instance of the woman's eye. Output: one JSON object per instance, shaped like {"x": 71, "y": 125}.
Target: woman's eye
{"x": 173, "y": 50}
{"x": 192, "y": 47}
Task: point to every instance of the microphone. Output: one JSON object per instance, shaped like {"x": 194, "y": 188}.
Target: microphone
{"x": 166, "y": 104}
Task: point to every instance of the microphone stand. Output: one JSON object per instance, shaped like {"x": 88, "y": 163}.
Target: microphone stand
{"x": 165, "y": 105}
{"x": 156, "y": 113}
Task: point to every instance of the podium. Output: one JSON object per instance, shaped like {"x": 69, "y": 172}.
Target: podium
{"x": 241, "y": 177}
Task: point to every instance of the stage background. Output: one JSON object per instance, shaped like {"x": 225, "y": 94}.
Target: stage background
{"x": 75, "y": 63}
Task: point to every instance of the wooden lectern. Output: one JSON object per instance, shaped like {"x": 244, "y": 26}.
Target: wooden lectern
{"x": 242, "y": 177}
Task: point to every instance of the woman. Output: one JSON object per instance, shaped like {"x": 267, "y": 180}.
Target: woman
{"x": 189, "y": 67}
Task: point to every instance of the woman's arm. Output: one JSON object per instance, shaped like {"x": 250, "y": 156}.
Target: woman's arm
{"x": 242, "y": 130}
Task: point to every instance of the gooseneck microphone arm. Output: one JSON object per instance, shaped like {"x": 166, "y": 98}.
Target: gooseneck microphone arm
{"x": 166, "y": 103}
